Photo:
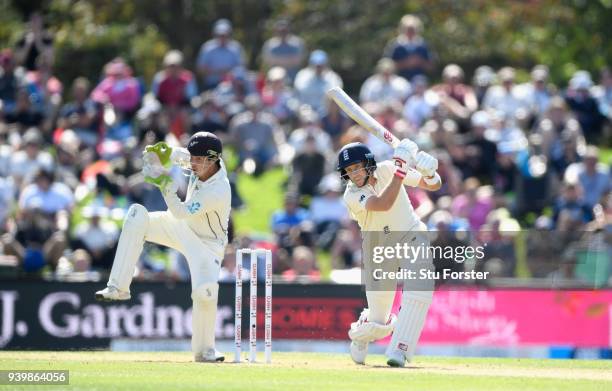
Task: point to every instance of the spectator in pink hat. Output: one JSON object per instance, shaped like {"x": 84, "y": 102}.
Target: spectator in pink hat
{"x": 118, "y": 88}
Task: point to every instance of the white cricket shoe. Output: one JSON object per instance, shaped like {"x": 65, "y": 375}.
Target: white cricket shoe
{"x": 211, "y": 355}
{"x": 396, "y": 359}
{"x": 111, "y": 293}
{"x": 359, "y": 351}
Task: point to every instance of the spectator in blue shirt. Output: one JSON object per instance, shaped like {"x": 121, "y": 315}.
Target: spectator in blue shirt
{"x": 219, "y": 55}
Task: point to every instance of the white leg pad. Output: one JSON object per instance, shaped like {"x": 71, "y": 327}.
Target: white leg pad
{"x": 203, "y": 317}
{"x": 380, "y": 304}
{"x": 129, "y": 247}
{"x": 410, "y": 322}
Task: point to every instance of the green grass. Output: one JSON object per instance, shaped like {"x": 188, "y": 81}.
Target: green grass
{"x": 261, "y": 196}
{"x": 304, "y": 371}
{"x": 605, "y": 155}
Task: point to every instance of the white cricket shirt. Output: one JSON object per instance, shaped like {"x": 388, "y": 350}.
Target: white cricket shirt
{"x": 401, "y": 215}
{"x": 206, "y": 207}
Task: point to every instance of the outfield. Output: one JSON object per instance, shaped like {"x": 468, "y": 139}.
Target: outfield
{"x": 303, "y": 371}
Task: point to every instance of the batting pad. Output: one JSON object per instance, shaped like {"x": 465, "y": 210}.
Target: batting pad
{"x": 410, "y": 322}
{"x": 203, "y": 317}
{"x": 129, "y": 247}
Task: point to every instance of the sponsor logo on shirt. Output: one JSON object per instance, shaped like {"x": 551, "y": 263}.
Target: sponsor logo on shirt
{"x": 194, "y": 207}
{"x": 362, "y": 198}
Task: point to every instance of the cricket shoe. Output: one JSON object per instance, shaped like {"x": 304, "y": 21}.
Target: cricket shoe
{"x": 396, "y": 359}
{"x": 111, "y": 293}
{"x": 211, "y": 355}
{"x": 359, "y": 351}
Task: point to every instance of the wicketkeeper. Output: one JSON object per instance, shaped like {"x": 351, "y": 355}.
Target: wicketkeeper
{"x": 377, "y": 200}
{"x": 196, "y": 227}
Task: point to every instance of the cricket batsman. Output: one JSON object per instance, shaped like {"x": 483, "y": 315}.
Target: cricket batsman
{"x": 377, "y": 200}
{"x": 196, "y": 227}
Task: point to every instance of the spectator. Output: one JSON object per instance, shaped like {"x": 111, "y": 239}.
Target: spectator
{"x": 36, "y": 41}
{"x": 309, "y": 126}
{"x": 594, "y": 177}
{"x": 537, "y": 93}
{"x": 497, "y": 240}
{"x": 42, "y": 223}
{"x": 219, "y": 56}
{"x": 277, "y": 97}
{"x": 303, "y": 266}
{"x": 97, "y": 236}
{"x": 7, "y": 200}
{"x": 474, "y": 204}
{"x": 328, "y": 212}
{"x": 46, "y": 195}
{"x": 80, "y": 114}
{"x": 535, "y": 181}
{"x": 445, "y": 236}
{"x": 209, "y": 117}
{"x": 484, "y": 77}
{"x": 313, "y": 82}
{"x": 555, "y": 121}
{"x": 566, "y": 151}
{"x": 384, "y": 85}
{"x": 457, "y": 98}
{"x": 585, "y": 106}
{"x": 508, "y": 136}
{"x": 45, "y": 89}
{"x": 603, "y": 93}
{"x": 253, "y": 133}
{"x": 346, "y": 249}
{"x": 409, "y": 50}
{"x": 38, "y": 241}
{"x": 419, "y": 106}
{"x": 228, "y": 266}
{"x": 119, "y": 88}
{"x": 231, "y": 93}
{"x": 174, "y": 87}
{"x": 570, "y": 211}
{"x": 25, "y": 113}
{"x": 505, "y": 98}
{"x": 450, "y": 175}
{"x": 284, "y": 50}
{"x": 67, "y": 159}
{"x": 30, "y": 158}
{"x": 334, "y": 122}
{"x": 291, "y": 215}
{"x": 486, "y": 150}
{"x": 307, "y": 168}
{"x": 10, "y": 82}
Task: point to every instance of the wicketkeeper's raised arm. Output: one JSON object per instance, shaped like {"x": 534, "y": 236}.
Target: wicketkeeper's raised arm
{"x": 199, "y": 202}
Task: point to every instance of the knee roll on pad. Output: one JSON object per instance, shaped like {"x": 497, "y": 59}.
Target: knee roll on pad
{"x": 420, "y": 296}
{"x": 137, "y": 218}
{"x": 206, "y": 292}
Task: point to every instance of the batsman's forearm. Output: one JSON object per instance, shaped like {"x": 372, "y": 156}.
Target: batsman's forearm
{"x": 385, "y": 200}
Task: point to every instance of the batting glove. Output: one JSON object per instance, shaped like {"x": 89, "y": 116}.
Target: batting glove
{"x": 426, "y": 164}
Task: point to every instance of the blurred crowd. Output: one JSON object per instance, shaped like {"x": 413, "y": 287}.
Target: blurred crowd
{"x": 520, "y": 162}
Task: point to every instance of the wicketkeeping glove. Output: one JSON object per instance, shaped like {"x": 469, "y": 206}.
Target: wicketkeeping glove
{"x": 156, "y": 163}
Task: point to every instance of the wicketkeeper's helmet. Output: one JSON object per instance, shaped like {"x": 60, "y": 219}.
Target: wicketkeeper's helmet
{"x": 205, "y": 144}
